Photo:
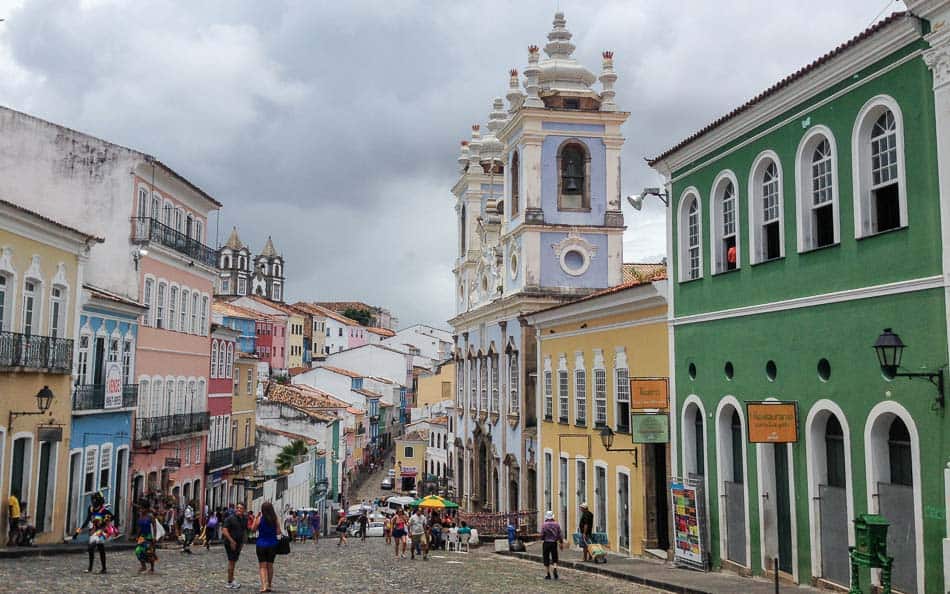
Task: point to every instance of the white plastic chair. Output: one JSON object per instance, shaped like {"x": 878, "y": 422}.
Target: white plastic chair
{"x": 453, "y": 539}
{"x": 463, "y": 542}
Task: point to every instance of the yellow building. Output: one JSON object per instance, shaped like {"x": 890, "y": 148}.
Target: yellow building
{"x": 590, "y": 349}
{"x": 40, "y": 282}
{"x": 410, "y": 460}
{"x": 243, "y": 419}
{"x": 438, "y": 386}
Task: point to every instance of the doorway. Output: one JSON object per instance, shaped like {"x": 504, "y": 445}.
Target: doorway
{"x": 661, "y": 499}
{"x": 731, "y": 456}
{"x": 72, "y": 515}
{"x": 43, "y": 520}
{"x": 98, "y": 371}
{"x": 122, "y": 467}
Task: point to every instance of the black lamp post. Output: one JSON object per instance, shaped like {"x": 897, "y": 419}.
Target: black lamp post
{"x": 607, "y": 438}
{"x": 43, "y": 400}
{"x": 890, "y": 349}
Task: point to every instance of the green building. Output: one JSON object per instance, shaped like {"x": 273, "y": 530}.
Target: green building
{"x": 801, "y": 225}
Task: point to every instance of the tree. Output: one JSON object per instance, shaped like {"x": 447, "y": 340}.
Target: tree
{"x": 290, "y": 454}
{"x": 363, "y": 316}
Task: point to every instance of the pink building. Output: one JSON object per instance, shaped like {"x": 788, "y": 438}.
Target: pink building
{"x": 270, "y": 345}
{"x": 221, "y": 432}
{"x": 357, "y": 336}
{"x": 176, "y": 271}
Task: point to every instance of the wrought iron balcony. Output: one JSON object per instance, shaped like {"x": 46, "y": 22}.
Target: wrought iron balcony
{"x": 149, "y": 230}
{"x": 218, "y": 459}
{"x": 149, "y": 429}
{"x": 245, "y": 456}
{"x": 30, "y": 351}
{"x": 93, "y": 397}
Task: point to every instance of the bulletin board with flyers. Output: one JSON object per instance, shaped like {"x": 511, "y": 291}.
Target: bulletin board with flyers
{"x": 689, "y": 531}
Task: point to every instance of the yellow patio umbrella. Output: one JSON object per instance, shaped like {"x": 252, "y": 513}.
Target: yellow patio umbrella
{"x": 434, "y": 502}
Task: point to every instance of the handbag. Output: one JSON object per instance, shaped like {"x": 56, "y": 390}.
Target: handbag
{"x": 283, "y": 545}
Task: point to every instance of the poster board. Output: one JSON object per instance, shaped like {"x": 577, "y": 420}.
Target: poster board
{"x": 689, "y": 547}
{"x": 772, "y": 421}
{"x": 113, "y": 396}
{"x": 649, "y": 393}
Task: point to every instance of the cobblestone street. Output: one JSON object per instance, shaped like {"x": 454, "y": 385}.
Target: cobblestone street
{"x": 357, "y": 567}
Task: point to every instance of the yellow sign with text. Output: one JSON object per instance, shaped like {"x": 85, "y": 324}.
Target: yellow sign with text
{"x": 772, "y": 422}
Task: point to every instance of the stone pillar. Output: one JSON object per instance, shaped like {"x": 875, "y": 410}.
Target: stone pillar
{"x": 531, "y": 179}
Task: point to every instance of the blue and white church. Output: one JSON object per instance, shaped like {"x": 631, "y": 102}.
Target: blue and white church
{"x": 538, "y": 207}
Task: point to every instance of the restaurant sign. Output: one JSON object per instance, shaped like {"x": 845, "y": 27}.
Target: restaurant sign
{"x": 772, "y": 421}
{"x": 649, "y": 393}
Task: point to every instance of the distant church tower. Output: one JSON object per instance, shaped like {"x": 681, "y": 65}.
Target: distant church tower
{"x": 268, "y": 279}
{"x": 235, "y": 264}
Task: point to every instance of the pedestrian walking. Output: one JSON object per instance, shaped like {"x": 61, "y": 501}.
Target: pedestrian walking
{"x": 586, "y": 528}
{"x": 315, "y": 526}
{"x": 145, "y": 542}
{"x": 363, "y": 522}
{"x": 387, "y": 529}
{"x": 13, "y": 517}
{"x": 233, "y": 530}
{"x": 417, "y": 531}
{"x": 268, "y": 530}
{"x": 399, "y": 533}
{"x": 551, "y": 539}
{"x": 188, "y": 527}
{"x": 99, "y": 524}
{"x": 341, "y": 527}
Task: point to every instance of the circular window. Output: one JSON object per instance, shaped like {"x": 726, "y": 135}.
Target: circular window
{"x": 728, "y": 370}
{"x": 692, "y": 371}
{"x": 824, "y": 370}
{"x": 513, "y": 266}
{"x": 771, "y": 370}
{"x": 575, "y": 261}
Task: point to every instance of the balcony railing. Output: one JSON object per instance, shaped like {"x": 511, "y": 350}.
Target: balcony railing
{"x": 93, "y": 397}
{"x": 145, "y": 229}
{"x": 54, "y": 355}
{"x": 219, "y": 459}
{"x": 245, "y": 456}
{"x": 153, "y": 428}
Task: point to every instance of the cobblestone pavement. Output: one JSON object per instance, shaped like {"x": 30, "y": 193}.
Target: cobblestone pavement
{"x": 356, "y": 567}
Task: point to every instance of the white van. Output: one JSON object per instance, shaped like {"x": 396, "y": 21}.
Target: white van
{"x": 396, "y": 503}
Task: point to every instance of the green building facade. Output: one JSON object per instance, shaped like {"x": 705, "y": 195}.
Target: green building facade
{"x": 801, "y": 225}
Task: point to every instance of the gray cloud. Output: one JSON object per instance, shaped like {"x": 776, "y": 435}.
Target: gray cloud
{"x": 334, "y": 126}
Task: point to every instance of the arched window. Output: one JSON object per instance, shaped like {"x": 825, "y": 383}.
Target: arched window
{"x": 57, "y": 311}
{"x": 157, "y": 392}
{"x": 834, "y": 453}
{"x": 573, "y": 162}
{"x": 225, "y": 261}
{"x": 737, "y": 441}
{"x": 899, "y": 454}
{"x": 515, "y": 183}
{"x": 144, "y": 396}
{"x": 766, "y": 205}
{"x": 817, "y": 191}
{"x": 156, "y": 206}
{"x": 878, "y": 167}
{"x": 143, "y": 203}
{"x": 690, "y": 230}
{"x": 160, "y": 309}
{"x": 230, "y": 369}
{"x": 183, "y": 319}
{"x": 725, "y": 224}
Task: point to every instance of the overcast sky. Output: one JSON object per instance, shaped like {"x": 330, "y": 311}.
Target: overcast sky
{"x": 334, "y": 126}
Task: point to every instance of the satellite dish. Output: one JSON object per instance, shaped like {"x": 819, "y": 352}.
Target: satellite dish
{"x": 636, "y": 201}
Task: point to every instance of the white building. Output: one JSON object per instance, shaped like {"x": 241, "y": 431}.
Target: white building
{"x": 426, "y": 341}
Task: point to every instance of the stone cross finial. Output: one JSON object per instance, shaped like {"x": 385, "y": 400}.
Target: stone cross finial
{"x": 607, "y": 79}
{"x": 531, "y": 79}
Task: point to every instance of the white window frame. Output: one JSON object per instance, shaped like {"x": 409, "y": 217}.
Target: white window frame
{"x": 145, "y": 396}
{"x": 82, "y": 358}
{"x": 214, "y": 359}
{"x": 57, "y": 311}
{"x": 861, "y": 163}
{"x": 173, "y": 291}
{"x": 548, "y": 390}
{"x": 804, "y": 193}
{"x": 495, "y": 376}
{"x": 36, "y": 310}
{"x": 160, "y": 304}
{"x": 563, "y": 390}
{"x": 580, "y": 390}
{"x": 148, "y": 299}
{"x": 185, "y": 299}
{"x": 514, "y": 380}
{"x": 688, "y": 196}
{"x": 717, "y": 231}
{"x": 600, "y": 396}
{"x": 194, "y": 312}
{"x": 754, "y": 194}
{"x": 204, "y": 315}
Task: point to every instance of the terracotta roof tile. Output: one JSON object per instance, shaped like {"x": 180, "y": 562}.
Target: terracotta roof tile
{"x": 381, "y": 331}
{"x": 340, "y": 371}
{"x": 368, "y": 393}
{"x": 297, "y": 370}
{"x": 798, "y": 74}
{"x": 327, "y": 313}
{"x": 303, "y": 398}
{"x": 223, "y": 307}
{"x": 642, "y": 271}
{"x": 51, "y": 221}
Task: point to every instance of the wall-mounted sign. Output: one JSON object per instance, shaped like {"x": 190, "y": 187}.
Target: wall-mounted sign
{"x": 113, "y": 398}
{"x": 408, "y": 471}
{"x": 771, "y": 421}
{"x": 51, "y": 434}
{"x": 650, "y": 428}
{"x": 649, "y": 392}
{"x": 172, "y": 462}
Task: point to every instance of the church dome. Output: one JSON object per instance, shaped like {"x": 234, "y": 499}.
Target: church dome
{"x": 560, "y": 71}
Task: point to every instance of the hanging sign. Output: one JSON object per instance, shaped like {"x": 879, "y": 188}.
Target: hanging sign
{"x": 172, "y": 462}
{"x": 650, "y": 428}
{"x": 113, "y": 397}
{"x": 771, "y": 421}
{"x": 687, "y": 533}
{"x": 649, "y": 392}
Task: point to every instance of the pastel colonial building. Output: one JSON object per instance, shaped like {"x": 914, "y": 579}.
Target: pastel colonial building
{"x": 41, "y": 275}
{"x": 538, "y": 205}
{"x": 832, "y": 190}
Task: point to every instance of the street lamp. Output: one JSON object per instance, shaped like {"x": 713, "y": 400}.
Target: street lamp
{"x": 43, "y": 400}
{"x": 607, "y": 439}
{"x": 636, "y": 201}
{"x": 890, "y": 349}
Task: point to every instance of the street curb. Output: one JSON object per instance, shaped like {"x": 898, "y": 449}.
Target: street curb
{"x": 55, "y": 550}
{"x": 608, "y": 572}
